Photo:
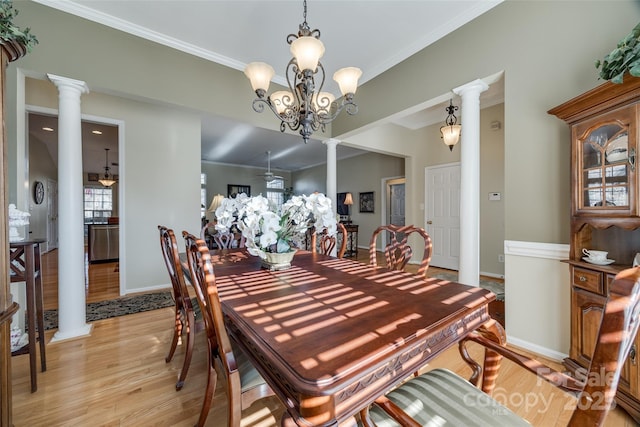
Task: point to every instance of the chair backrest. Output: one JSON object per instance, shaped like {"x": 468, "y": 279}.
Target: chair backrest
{"x": 326, "y": 243}
{"x": 207, "y": 235}
{"x": 617, "y": 333}
{"x": 397, "y": 252}
{"x": 172, "y": 261}
{"x": 204, "y": 282}
{"x": 229, "y": 240}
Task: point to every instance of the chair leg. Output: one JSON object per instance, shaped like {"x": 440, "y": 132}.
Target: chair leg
{"x": 177, "y": 332}
{"x": 191, "y": 337}
{"x": 208, "y": 395}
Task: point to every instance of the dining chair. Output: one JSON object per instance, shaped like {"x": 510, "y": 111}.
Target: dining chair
{"x": 228, "y": 240}
{"x": 397, "y": 250}
{"x": 326, "y": 243}
{"x": 443, "y": 398}
{"x": 184, "y": 319}
{"x": 207, "y": 235}
{"x": 244, "y": 383}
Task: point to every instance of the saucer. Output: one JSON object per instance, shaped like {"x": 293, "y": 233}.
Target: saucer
{"x": 597, "y": 262}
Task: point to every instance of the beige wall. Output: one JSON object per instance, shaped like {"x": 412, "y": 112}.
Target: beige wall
{"x": 220, "y": 175}
{"x": 357, "y": 174}
{"x": 160, "y": 147}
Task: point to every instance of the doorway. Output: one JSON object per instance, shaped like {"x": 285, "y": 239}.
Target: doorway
{"x": 393, "y": 204}
{"x": 102, "y": 280}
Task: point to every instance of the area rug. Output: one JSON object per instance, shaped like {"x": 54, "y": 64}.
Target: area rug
{"x": 117, "y": 307}
{"x": 495, "y": 287}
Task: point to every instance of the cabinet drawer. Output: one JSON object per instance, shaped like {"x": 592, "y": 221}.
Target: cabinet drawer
{"x": 587, "y": 279}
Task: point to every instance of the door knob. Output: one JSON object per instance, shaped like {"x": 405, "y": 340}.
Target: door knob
{"x": 429, "y": 222}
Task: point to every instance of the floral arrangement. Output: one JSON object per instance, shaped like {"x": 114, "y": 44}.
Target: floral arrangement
{"x": 268, "y": 229}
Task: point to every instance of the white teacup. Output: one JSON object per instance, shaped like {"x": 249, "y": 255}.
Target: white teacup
{"x": 595, "y": 255}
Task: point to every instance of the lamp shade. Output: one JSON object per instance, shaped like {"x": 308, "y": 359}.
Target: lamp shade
{"x": 347, "y": 79}
{"x": 281, "y": 100}
{"x": 107, "y": 182}
{"x": 307, "y": 51}
{"x": 450, "y": 134}
{"x": 348, "y": 199}
{"x": 215, "y": 202}
{"x": 260, "y": 75}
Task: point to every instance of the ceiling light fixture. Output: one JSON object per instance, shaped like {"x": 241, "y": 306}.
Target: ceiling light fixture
{"x": 302, "y": 107}
{"x": 451, "y": 131}
{"x": 107, "y": 181}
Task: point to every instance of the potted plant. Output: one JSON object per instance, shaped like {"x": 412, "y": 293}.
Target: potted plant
{"x": 11, "y": 34}
{"x": 624, "y": 58}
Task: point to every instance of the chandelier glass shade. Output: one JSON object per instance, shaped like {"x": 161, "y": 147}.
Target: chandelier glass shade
{"x": 451, "y": 130}
{"x": 107, "y": 181}
{"x": 304, "y": 107}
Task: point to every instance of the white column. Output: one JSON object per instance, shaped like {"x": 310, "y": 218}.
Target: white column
{"x": 332, "y": 145}
{"x": 71, "y": 281}
{"x": 469, "y": 269}
{"x": 331, "y": 172}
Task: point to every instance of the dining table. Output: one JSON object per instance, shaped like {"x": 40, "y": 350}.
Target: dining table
{"x": 330, "y": 335}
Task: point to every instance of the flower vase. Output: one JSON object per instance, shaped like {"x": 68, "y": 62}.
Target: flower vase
{"x": 275, "y": 261}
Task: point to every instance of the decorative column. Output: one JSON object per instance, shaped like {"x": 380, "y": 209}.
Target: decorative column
{"x": 71, "y": 288}
{"x": 332, "y": 145}
{"x": 469, "y": 269}
{"x": 331, "y": 172}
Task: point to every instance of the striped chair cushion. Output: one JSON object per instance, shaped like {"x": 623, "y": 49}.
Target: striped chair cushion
{"x": 442, "y": 398}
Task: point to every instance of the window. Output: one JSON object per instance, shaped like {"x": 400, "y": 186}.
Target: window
{"x": 203, "y": 195}
{"x": 98, "y": 205}
{"x": 275, "y": 192}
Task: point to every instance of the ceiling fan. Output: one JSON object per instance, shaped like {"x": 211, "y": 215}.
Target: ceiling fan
{"x": 269, "y": 176}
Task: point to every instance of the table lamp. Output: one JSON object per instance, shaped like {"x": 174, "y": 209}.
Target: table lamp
{"x": 348, "y": 201}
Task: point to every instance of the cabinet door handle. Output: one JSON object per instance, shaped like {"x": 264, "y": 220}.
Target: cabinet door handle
{"x": 632, "y": 159}
{"x": 632, "y": 354}
{"x": 582, "y": 279}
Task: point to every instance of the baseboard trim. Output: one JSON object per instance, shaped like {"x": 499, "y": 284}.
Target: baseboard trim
{"x": 535, "y": 348}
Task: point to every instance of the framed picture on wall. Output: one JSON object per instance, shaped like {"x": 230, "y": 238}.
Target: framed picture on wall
{"x": 366, "y": 202}
{"x": 233, "y": 190}
{"x": 93, "y": 177}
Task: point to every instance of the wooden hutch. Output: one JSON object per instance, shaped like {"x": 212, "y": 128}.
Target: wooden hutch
{"x": 605, "y": 214}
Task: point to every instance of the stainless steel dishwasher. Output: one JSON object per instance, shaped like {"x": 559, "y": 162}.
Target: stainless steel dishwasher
{"x": 103, "y": 242}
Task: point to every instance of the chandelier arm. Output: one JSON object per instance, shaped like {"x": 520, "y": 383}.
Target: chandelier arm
{"x": 346, "y": 104}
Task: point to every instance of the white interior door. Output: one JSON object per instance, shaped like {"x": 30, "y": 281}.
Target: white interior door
{"x": 442, "y": 214}
{"x": 52, "y": 214}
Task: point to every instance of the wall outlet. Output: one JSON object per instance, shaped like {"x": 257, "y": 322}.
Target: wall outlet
{"x": 500, "y": 258}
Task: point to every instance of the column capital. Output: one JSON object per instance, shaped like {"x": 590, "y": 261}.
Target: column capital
{"x": 331, "y": 141}
{"x": 65, "y": 82}
{"x": 477, "y": 86}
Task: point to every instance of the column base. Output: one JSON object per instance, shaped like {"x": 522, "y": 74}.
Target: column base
{"x": 77, "y": 333}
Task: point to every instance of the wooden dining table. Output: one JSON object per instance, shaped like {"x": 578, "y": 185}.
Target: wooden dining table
{"x": 330, "y": 335}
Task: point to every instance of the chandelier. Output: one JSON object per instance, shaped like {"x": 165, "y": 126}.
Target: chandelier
{"x": 107, "y": 181}
{"x": 450, "y": 131}
{"x": 303, "y": 107}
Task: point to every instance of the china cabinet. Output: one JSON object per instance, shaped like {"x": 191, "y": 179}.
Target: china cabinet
{"x": 605, "y": 215}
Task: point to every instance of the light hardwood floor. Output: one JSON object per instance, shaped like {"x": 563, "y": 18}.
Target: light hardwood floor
{"x": 118, "y": 377}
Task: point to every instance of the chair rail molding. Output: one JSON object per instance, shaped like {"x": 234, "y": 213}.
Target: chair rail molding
{"x": 536, "y": 249}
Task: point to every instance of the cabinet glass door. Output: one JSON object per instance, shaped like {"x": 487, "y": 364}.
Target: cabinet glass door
{"x": 605, "y": 167}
